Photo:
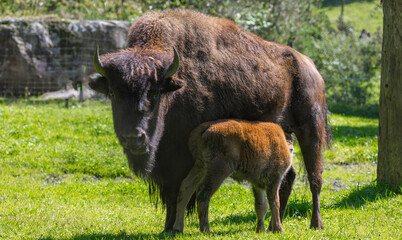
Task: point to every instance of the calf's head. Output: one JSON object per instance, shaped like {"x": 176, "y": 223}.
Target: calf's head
{"x": 289, "y": 142}
{"x": 139, "y": 83}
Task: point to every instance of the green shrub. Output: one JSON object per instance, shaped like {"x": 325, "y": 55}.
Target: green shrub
{"x": 350, "y": 66}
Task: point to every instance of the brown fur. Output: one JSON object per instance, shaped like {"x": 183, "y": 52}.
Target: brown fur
{"x": 254, "y": 151}
{"x": 225, "y": 72}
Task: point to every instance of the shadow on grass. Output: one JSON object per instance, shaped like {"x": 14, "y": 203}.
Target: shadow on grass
{"x": 120, "y": 236}
{"x": 236, "y": 219}
{"x": 295, "y": 208}
{"x": 362, "y": 195}
{"x": 298, "y": 208}
{"x": 124, "y": 236}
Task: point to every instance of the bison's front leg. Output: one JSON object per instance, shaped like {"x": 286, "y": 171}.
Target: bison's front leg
{"x": 170, "y": 214}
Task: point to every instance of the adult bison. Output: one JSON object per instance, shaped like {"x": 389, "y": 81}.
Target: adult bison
{"x": 224, "y": 72}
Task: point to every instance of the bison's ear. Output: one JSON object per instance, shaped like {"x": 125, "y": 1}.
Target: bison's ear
{"x": 172, "y": 84}
{"x": 98, "y": 83}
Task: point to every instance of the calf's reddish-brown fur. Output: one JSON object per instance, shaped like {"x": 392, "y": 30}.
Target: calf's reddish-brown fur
{"x": 254, "y": 151}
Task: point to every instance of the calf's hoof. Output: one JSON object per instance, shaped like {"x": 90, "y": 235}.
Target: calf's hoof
{"x": 275, "y": 229}
{"x": 260, "y": 228}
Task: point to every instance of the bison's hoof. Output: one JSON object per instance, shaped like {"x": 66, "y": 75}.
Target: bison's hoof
{"x": 317, "y": 227}
{"x": 205, "y": 231}
{"x": 177, "y": 231}
{"x": 166, "y": 233}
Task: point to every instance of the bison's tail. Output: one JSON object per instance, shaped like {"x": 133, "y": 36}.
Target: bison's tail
{"x": 328, "y": 133}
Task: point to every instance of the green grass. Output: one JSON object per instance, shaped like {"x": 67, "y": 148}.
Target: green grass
{"x": 64, "y": 176}
{"x": 358, "y": 15}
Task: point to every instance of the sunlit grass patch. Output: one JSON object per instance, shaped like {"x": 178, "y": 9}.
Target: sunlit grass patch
{"x": 63, "y": 175}
{"x": 360, "y": 15}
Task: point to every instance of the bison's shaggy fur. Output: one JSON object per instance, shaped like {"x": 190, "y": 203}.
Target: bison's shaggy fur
{"x": 225, "y": 72}
{"x": 254, "y": 151}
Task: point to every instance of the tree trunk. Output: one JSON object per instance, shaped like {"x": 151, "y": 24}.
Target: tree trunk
{"x": 342, "y": 6}
{"x": 389, "y": 168}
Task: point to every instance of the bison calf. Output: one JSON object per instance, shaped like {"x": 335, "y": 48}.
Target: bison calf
{"x": 257, "y": 152}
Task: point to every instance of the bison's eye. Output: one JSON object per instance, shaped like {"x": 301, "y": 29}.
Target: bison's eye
{"x": 144, "y": 106}
{"x": 154, "y": 95}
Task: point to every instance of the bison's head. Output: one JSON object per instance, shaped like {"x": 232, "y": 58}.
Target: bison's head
{"x": 139, "y": 83}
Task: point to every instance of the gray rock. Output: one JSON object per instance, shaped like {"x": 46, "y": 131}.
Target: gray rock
{"x": 70, "y": 92}
{"x": 42, "y": 55}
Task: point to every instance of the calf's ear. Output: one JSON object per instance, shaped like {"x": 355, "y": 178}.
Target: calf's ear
{"x": 172, "y": 84}
{"x": 98, "y": 83}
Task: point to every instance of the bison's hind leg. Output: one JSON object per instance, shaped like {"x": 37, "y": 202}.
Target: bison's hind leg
{"x": 285, "y": 190}
{"x": 311, "y": 137}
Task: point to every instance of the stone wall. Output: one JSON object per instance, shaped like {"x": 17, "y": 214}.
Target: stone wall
{"x": 41, "y": 55}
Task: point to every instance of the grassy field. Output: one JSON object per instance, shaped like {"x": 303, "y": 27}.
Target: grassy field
{"x": 63, "y": 176}
{"x": 358, "y": 14}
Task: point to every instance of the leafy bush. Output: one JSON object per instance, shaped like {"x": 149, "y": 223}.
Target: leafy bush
{"x": 73, "y": 9}
{"x": 350, "y": 66}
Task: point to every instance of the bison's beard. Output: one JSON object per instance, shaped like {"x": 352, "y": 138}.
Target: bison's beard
{"x": 138, "y": 162}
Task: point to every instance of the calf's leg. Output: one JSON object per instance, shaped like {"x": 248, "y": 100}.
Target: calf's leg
{"x": 187, "y": 189}
{"x": 218, "y": 169}
{"x": 261, "y": 207}
{"x": 273, "y": 200}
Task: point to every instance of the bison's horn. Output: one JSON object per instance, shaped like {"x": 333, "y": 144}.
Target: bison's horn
{"x": 175, "y": 65}
{"x": 98, "y": 63}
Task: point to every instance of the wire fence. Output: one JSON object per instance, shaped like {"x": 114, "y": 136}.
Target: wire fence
{"x": 49, "y": 71}
{"x": 39, "y": 56}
